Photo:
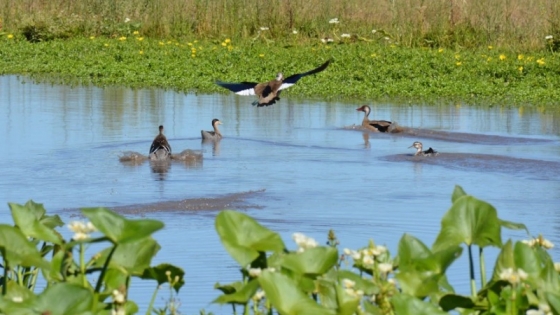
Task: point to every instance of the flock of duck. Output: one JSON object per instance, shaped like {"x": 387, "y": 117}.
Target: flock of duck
{"x": 267, "y": 94}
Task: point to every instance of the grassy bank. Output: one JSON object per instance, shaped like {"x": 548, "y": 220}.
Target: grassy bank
{"x": 515, "y": 24}
{"x": 361, "y": 70}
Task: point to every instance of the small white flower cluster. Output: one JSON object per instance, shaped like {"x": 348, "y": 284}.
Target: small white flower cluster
{"x": 345, "y": 35}
{"x": 255, "y": 272}
{"x": 259, "y": 295}
{"x": 334, "y": 21}
{"x": 326, "y": 40}
{"x": 264, "y": 28}
{"x": 367, "y": 257}
{"x": 549, "y": 37}
{"x": 304, "y": 242}
{"x": 544, "y": 309}
{"x": 513, "y": 276}
{"x": 81, "y": 230}
{"x": 294, "y": 31}
{"x": 118, "y": 300}
{"x": 539, "y": 241}
{"x": 349, "y": 288}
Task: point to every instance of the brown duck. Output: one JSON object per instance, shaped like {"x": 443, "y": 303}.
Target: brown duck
{"x": 268, "y": 92}
{"x": 212, "y": 135}
{"x": 160, "y": 148}
{"x": 377, "y": 125}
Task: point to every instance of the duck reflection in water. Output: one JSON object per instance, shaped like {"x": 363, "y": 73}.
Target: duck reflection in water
{"x": 365, "y": 135}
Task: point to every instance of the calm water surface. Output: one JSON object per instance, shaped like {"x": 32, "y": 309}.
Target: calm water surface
{"x": 62, "y": 144}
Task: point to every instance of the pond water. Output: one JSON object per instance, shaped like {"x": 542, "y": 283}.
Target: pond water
{"x": 294, "y": 166}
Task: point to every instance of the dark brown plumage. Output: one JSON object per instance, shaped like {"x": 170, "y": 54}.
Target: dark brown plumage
{"x": 160, "y": 143}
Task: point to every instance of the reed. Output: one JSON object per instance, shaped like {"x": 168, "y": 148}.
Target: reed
{"x": 519, "y": 24}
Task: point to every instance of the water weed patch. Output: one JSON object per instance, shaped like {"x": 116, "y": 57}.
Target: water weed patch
{"x": 362, "y": 69}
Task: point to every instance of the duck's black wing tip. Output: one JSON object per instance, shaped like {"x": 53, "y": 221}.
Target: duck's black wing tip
{"x": 294, "y": 78}
{"x": 242, "y": 88}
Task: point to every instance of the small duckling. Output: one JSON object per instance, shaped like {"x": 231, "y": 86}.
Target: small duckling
{"x": 212, "y": 135}
{"x": 160, "y": 148}
{"x": 418, "y": 146}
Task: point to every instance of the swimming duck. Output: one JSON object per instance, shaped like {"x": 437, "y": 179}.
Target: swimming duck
{"x": 212, "y": 135}
{"x": 418, "y": 146}
{"x": 377, "y": 125}
{"x": 160, "y": 148}
{"x": 268, "y": 91}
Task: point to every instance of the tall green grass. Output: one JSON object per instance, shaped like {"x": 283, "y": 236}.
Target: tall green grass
{"x": 515, "y": 24}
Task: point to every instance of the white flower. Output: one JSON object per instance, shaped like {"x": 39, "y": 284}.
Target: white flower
{"x": 345, "y": 35}
{"x": 120, "y": 311}
{"x": 534, "y": 312}
{"x": 79, "y": 236}
{"x": 374, "y": 31}
{"x": 367, "y": 261}
{"x": 81, "y": 230}
{"x": 17, "y": 299}
{"x": 255, "y": 272}
{"x": 294, "y": 32}
{"x": 118, "y": 297}
{"x": 557, "y": 266}
{"x": 386, "y": 38}
{"x": 548, "y": 37}
{"x": 303, "y": 242}
{"x": 259, "y": 295}
{"x": 392, "y": 281}
{"x": 378, "y": 250}
{"x": 264, "y": 28}
{"x": 513, "y": 276}
{"x": 330, "y": 40}
{"x": 385, "y": 267}
{"x": 348, "y": 283}
{"x": 126, "y": 20}
{"x": 334, "y": 21}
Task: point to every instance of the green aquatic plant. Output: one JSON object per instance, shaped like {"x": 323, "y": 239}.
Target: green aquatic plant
{"x": 33, "y": 248}
{"x": 315, "y": 279}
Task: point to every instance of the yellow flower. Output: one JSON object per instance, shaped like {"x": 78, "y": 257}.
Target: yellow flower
{"x": 106, "y": 45}
{"x": 489, "y": 59}
{"x": 261, "y": 55}
{"x": 490, "y": 47}
{"x": 457, "y": 56}
{"x": 373, "y": 55}
{"x": 458, "y": 63}
{"x": 135, "y": 33}
{"x": 92, "y": 37}
{"x": 140, "y": 38}
{"x": 193, "y": 55}
{"x": 540, "y": 61}
{"x": 195, "y": 41}
{"x": 10, "y": 36}
{"x": 141, "y": 52}
{"x": 227, "y": 41}
{"x": 520, "y": 69}
{"x": 189, "y": 44}
{"x": 440, "y": 50}
{"x": 161, "y": 43}
{"x": 122, "y": 38}
{"x": 503, "y": 57}
{"x": 224, "y": 44}
{"x": 520, "y": 57}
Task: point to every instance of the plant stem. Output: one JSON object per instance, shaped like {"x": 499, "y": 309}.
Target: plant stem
{"x": 105, "y": 266}
{"x": 83, "y": 266}
{"x": 149, "y": 310}
{"x": 471, "y": 272}
{"x": 5, "y": 279}
{"x": 482, "y": 267}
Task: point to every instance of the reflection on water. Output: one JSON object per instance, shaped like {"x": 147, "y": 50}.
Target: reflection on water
{"x": 312, "y": 173}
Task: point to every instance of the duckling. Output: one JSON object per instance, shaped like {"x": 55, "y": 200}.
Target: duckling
{"x": 418, "y": 146}
{"x": 268, "y": 92}
{"x": 377, "y": 125}
{"x": 160, "y": 148}
{"x": 212, "y": 135}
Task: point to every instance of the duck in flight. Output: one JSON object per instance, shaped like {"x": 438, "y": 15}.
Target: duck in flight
{"x": 160, "y": 148}
{"x": 418, "y": 146}
{"x": 377, "y": 125}
{"x": 268, "y": 92}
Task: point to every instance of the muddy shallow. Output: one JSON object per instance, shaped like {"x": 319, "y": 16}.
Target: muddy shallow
{"x": 293, "y": 166}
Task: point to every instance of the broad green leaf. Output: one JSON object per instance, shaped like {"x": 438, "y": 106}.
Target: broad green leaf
{"x": 347, "y": 303}
{"x": 27, "y": 219}
{"x": 114, "y": 279}
{"x": 284, "y": 294}
{"x": 244, "y": 238}
{"x": 132, "y": 257}
{"x": 458, "y": 192}
{"x": 418, "y": 283}
{"x": 65, "y": 299}
{"x": 313, "y": 261}
{"x": 119, "y": 229}
{"x": 411, "y": 250}
{"x": 514, "y": 226}
{"x": 240, "y": 296}
{"x": 17, "y": 250}
{"x": 504, "y": 260}
{"x": 452, "y": 301}
{"x": 518, "y": 256}
{"x": 159, "y": 273}
{"x": 404, "y": 304}
{"x": 229, "y": 288}
{"x": 554, "y": 301}
{"x": 326, "y": 292}
{"x": 470, "y": 221}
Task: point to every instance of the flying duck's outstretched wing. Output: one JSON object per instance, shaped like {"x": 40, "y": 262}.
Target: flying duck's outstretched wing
{"x": 291, "y": 80}
{"x": 241, "y": 88}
